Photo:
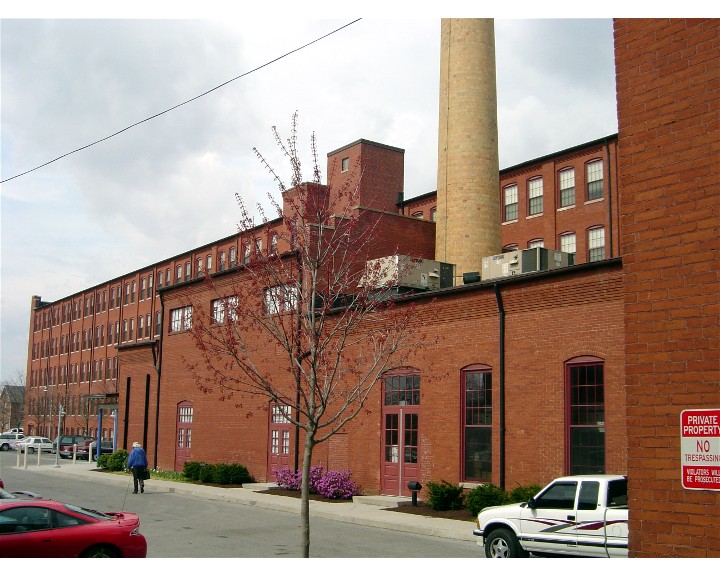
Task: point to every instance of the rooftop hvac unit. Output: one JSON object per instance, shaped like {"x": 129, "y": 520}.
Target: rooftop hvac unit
{"x": 407, "y": 272}
{"x": 524, "y": 261}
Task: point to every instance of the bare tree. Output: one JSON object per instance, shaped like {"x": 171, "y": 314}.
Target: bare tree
{"x": 311, "y": 326}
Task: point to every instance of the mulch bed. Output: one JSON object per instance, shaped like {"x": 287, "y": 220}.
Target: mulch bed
{"x": 421, "y": 509}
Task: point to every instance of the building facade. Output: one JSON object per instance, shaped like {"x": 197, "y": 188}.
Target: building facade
{"x": 582, "y": 369}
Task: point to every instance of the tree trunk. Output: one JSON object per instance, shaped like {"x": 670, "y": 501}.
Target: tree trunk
{"x": 305, "y": 494}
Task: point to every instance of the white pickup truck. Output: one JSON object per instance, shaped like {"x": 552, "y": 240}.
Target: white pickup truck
{"x": 571, "y": 516}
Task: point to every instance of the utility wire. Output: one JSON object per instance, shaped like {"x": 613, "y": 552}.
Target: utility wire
{"x": 183, "y": 103}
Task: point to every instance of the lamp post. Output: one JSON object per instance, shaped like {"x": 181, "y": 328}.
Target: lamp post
{"x": 57, "y": 444}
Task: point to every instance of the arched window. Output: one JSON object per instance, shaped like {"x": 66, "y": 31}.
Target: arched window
{"x": 585, "y": 421}
{"x": 476, "y": 383}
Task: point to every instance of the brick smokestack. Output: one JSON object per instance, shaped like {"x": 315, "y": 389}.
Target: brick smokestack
{"x": 468, "y": 204}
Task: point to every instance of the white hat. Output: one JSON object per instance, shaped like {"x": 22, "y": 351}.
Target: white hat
{"x": 136, "y": 445}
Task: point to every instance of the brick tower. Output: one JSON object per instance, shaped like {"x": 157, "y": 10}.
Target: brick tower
{"x": 468, "y": 211}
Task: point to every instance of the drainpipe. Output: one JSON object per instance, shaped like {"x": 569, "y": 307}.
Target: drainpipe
{"x": 501, "y": 386}
{"x": 157, "y": 361}
{"x": 610, "y": 218}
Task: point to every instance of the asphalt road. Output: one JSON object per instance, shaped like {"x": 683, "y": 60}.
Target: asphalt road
{"x": 182, "y": 526}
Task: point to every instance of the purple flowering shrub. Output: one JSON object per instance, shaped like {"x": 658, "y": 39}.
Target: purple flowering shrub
{"x": 331, "y": 484}
{"x": 337, "y": 485}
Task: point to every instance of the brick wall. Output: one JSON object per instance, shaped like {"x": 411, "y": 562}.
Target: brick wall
{"x": 550, "y": 319}
{"x": 668, "y": 95}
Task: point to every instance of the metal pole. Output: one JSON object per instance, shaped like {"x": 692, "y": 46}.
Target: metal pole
{"x": 57, "y": 444}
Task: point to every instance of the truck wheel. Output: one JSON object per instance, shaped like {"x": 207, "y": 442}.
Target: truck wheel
{"x": 502, "y": 543}
{"x": 5, "y": 447}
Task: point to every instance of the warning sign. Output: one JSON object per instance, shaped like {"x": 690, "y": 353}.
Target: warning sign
{"x": 700, "y": 449}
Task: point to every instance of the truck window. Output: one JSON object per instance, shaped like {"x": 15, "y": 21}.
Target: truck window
{"x": 588, "y": 499}
{"x": 560, "y": 495}
{"x": 617, "y": 493}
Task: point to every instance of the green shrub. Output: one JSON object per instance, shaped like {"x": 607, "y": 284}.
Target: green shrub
{"x": 114, "y": 462}
{"x": 216, "y": 473}
{"x": 483, "y": 496}
{"x": 206, "y": 473}
{"x": 444, "y": 496}
{"x": 523, "y": 493}
{"x": 191, "y": 470}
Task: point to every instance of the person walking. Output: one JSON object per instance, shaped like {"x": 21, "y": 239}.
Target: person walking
{"x": 137, "y": 463}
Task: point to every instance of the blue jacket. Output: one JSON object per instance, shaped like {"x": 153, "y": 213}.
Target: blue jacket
{"x": 137, "y": 458}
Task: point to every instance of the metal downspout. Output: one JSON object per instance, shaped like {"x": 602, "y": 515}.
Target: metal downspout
{"x": 158, "y": 368}
{"x": 501, "y": 386}
{"x": 610, "y": 217}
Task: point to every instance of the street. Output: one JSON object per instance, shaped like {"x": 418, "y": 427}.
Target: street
{"x": 182, "y": 526}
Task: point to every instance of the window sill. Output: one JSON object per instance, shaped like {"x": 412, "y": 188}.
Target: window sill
{"x": 509, "y": 222}
{"x": 566, "y": 208}
{"x": 534, "y": 216}
{"x": 594, "y": 201}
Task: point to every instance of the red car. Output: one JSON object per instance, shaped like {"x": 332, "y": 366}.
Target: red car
{"x": 49, "y": 529}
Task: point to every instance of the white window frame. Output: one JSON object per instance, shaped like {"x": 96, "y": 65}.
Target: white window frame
{"x": 180, "y": 319}
{"x": 594, "y": 173}
{"x": 510, "y": 198}
{"x": 596, "y": 244}
{"x": 566, "y": 178}
{"x": 535, "y": 192}
{"x": 280, "y": 299}
{"x": 568, "y": 240}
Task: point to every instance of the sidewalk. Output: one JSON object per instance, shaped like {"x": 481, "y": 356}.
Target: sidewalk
{"x": 364, "y": 510}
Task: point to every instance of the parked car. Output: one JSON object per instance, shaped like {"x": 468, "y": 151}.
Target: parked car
{"x": 67, "y": 443}
{"x": 18, "y": 495}
{"x": 106, "y": 447}
{"x": 35, "y": 443}
{"x": 9, "y": 439}
{"x": 49, "y": 529}
{"x": 14, "y": 431}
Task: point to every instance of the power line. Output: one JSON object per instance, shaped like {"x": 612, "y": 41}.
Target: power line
{"x": 183, "y": 103}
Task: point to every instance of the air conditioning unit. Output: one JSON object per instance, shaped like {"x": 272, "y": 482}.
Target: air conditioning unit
{"x": 524, "y": 261}
{"x": 407, "y": 272}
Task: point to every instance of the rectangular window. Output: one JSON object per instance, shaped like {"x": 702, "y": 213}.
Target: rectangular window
{"x": 538, "y": 243}
{"x": 567, "y": 188}
{"x": 181, "y": 319}
{"x": 198, "y": 267}
{"x": 535, "y": 196}
{"x": 594, "y": 180}
{"x": 477, "y": 425}
{"x": 158, "y": 323}
{"x": 246, "y": 253}
{"x": 142, "y": 289}
{"x": 187, "y": 271}
{"x": 596, "y": 244}
{"x": 402, "y": 390}
{"x": 208, "y": 263}
{"x": 280, "y": 299}
{"x": 221, "y": 263}
{"x": 567, "y": 243}
{"x": 280, "y": 414}
{"x": 586, "y": 428}
{"x": 510, "y": 203}
{"x": 258, "y": 247}
{"x": 345, "y": 164}
{"x": 273, "y": 244}
{"x": 224, "y": 307}
{"x": 233, "y": 257}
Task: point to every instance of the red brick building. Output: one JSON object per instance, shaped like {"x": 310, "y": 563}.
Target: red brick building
{"x": 584, "y": 368}
{"x": 668, "y": 92}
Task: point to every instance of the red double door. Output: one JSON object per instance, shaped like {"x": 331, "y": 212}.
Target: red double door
{"x": 400, "y": 449}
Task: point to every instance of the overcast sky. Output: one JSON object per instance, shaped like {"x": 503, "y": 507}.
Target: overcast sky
{"x": 168, "y": 185}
